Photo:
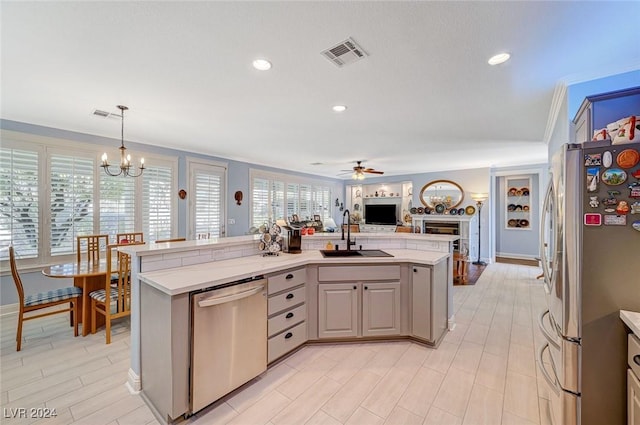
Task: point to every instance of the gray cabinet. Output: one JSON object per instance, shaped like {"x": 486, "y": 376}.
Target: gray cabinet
{"x": 338, "y": 310}
{"x": 380, "y": 309}
{"x": 429, "y": 302}
{"x": 633, "y": 381}
{"x": 359, "y": 301}
{"x": 343, "y": 306}
{"x": 599, "y": 110}
{"x": 287, "y": 312}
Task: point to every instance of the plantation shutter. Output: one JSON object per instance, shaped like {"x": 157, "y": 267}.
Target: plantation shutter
{"x": 71, "y": 201}
{"x": 208, "y": 202}
{"x": 156, "y": 203}
{"x": 19, "y": 223}
{"x": 277, "y": 201}
{"x": 260, "y": 202}
{"x": 293, "y": 201}
{"x": 117, "y": 205}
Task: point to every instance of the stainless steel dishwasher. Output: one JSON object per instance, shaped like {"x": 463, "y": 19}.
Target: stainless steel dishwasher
{"x": 229, "y": 339}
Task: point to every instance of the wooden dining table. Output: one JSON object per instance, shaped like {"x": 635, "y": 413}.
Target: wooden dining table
{"x": 89, "y": 276}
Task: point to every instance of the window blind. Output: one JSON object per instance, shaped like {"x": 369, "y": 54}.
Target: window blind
{"x": 71, "y": 201}
{"x": 156, "y": 203}
{"x": 19, "y": 203}
{"x": 208, "y": 212}
{"x": 117, "y": 205}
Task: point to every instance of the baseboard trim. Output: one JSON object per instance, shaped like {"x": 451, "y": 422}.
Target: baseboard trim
{"x": 134, "y": 385}
{"x": 520, "y": 260}
{"x": 452, "y": 322}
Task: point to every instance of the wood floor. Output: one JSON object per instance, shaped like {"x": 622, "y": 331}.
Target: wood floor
{"x": 484, "y": 372}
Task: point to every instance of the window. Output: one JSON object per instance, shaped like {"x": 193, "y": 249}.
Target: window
{"x": 208, "y": 190}
{"x": 270, "y": 201}
{"x": 117, "y": 205}
{"x": 19, "y": 202}
{"x": 156, "y": 203}
{"x": 71, "y": 201}
{"x": 56, "y": 185}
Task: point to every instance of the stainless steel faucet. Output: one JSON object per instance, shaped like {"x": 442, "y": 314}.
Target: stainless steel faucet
{"x": 349, "y": 242}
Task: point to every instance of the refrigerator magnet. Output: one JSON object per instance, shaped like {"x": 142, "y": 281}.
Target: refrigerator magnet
{"x": 636, "y": 225}
{"x": 591, "y": 159}
{"x": 593, "y": 177}
{"x": 592, "y": 219}
{"x": 635, "y": 208}
{"x": 622, "y": 207}
{"x": 615, "y": 220}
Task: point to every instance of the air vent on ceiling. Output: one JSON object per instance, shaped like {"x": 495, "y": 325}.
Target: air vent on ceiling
{"x": 105, "y": 114}
{"x": 345, "y": 53}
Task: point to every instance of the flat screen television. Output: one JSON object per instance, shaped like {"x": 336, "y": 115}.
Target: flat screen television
{"x": 380, "y": 214}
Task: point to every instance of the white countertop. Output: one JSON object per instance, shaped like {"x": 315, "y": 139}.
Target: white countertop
{"x": 185, "y": 279}
{"x": 168, "y": 247}
{"x": 632, "y": 319}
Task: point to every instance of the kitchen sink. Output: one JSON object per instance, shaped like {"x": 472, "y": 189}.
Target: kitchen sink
{"x": 355, "y": 253}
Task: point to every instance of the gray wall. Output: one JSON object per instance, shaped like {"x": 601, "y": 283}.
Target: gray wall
{"x": 474, "y": 180}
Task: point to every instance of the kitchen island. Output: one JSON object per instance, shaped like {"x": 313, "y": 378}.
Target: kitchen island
{"x": 164, "y": 275}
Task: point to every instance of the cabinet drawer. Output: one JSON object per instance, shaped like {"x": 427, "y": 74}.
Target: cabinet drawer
{"x": 286, "y": 300}
{"x": 634, "y": 354}
{"x": 284, "y": 281}
{"x": 287, "y": 318}
{"x": 358, "y": 273}
{"x": 281, "y": 344}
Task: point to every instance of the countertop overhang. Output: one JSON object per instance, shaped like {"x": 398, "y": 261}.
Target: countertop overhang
{"x": 631, "y": 319}
{"x": 185, "y": 279}
{"x": 170, "y": 247}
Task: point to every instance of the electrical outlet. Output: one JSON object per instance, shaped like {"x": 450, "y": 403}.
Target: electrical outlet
{"x": 231, "y": 221}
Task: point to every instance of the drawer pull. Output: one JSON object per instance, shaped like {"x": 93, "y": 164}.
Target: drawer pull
{"x": 366, "y": 287}
{"x": 289, "y": 296}
{"x": 636, "y": 359}
{"x": 289, "y": 315}
{"x": 288, "y": 335}
{"x": 289, "y": 276}
{"x": 355, "y": 287}
{"x": 415, "y": 270}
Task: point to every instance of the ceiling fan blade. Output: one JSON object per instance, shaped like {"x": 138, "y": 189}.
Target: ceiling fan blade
{"x": 372, "y": 171}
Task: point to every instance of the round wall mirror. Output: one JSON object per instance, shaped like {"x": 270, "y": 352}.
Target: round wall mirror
{"x": 441, "y": 192}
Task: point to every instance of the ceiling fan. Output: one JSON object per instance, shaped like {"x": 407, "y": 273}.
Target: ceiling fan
{"x": 359, "y": 170}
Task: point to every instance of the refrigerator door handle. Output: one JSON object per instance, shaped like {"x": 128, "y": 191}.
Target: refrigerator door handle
{"x": 545, "y": 332}
{"x": 546, "y": 281}
{"x": 553, "y": 383}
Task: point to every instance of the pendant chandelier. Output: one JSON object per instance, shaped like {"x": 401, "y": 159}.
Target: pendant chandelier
{"x": 125, "y": 168}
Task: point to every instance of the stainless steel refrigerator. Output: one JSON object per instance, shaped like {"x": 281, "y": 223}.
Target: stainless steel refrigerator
{"x": 590, "y": 249}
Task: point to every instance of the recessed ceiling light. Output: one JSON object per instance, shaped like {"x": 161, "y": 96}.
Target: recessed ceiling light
{"x": 339, "y": 108}
{"x": 499, "y": 58}
{"x": 262, "y": 64}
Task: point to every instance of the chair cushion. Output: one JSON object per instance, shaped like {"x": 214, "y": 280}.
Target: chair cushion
{"x": 51, "y": 296}
{"x": 101, "y": 295}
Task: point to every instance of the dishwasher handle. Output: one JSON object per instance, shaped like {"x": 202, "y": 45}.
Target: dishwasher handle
{"x": 214, "y": 300}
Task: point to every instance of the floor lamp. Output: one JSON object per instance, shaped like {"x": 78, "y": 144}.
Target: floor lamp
{"x": 479, "y": 198}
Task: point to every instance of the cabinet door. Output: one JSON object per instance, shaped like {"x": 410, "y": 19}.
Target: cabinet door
{"x": 633, "y": 399}
{"x": 337, "y": 310}
{"x": 421, "y": 302}
{"x": 380, "y": 309}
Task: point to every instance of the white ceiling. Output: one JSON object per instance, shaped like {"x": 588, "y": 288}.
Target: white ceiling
{"x": 424, "y": 100}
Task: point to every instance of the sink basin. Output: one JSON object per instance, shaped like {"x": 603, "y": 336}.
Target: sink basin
{"x": 355, "y": 253}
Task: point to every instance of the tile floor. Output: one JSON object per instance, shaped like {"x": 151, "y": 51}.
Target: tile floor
{"x": 484, "y": 372}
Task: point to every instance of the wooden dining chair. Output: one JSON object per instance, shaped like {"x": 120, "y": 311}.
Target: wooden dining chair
{"x": 171, "y": 240}
{"x": 116, "y": 291}
{"x": 69, "y": 295}
{"x": 90, "y": 247}
{"x": 460, "y": 261}
{"x": 130, "y": 237}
